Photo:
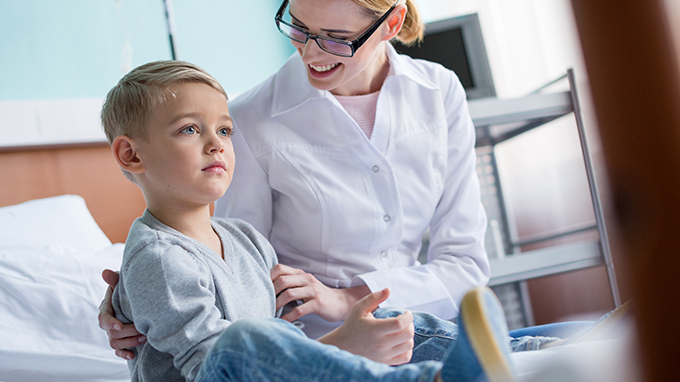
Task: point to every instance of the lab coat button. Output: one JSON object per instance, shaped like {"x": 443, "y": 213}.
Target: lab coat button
{"x": 376, "y": 168}
{"x": 386, "y": 218}
{"x": 383, "y": 253}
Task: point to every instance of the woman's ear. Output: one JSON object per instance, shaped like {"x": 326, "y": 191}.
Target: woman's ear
{"x": 124, "y": 150}
{"x": 395, "y": 21}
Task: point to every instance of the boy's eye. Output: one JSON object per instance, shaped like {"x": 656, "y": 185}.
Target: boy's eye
{"x": 225, "y": 131}
{"x": 189, "y": 130}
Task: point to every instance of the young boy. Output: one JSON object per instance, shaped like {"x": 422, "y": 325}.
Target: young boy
{"x": 192, "y": 283}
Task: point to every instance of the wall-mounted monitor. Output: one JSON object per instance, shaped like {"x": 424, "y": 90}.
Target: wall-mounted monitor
{"x": 457, "y": 43}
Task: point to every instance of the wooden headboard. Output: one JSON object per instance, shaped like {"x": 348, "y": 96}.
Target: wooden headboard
{"x": 90, "y": 172}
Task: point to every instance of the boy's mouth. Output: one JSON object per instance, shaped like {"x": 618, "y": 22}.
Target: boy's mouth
{"x": 216, "y": 167}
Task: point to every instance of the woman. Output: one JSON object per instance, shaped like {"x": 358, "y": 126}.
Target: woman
{"x": 351, "y": 152}
{"x": 346, "y": 156}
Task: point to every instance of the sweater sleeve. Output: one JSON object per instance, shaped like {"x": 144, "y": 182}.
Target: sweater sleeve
{"x": 170, "y": 297}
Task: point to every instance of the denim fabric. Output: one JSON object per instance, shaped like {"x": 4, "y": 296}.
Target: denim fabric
{"x": 433, "y": 336}
{"x": 531, "y": 338}
{"x": 559, "y": 329}
{"x": 276, "y": 350}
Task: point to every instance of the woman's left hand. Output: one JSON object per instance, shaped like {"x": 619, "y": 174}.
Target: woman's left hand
{"x": 330, "y": 304}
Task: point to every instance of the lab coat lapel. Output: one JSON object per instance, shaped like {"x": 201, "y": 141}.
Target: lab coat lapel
{"x": 291, "y": 87}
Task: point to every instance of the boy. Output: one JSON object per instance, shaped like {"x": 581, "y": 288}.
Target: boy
{"x": 186, "y": 276}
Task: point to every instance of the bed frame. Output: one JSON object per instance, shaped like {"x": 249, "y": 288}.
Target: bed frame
{"x": 89, "y": 171}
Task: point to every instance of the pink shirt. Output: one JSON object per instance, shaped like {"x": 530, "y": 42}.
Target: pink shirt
{"x": 362, "y": 110}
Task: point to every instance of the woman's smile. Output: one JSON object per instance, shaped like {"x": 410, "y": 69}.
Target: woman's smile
{"x": 323, "y": 70}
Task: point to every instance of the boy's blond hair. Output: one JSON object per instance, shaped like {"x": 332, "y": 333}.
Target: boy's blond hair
{"x": 130, "y": 104}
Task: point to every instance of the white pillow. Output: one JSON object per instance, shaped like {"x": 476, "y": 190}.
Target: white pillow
{"x": 53, "y": 295}
{"x": 52, "y": 254}
{"x": 61, "y": 219}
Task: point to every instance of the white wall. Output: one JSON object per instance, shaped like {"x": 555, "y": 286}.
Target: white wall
{"x": 529, "y": 42}
{"x": 60, "y": 58}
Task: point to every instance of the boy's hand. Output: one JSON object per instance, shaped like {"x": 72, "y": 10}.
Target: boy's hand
{"x": 387, "y": 340}
{"x": 331, "y": 304}
{"x": 121, "y": 336}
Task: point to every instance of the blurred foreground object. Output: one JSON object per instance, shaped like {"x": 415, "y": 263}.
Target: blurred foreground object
{"x": 635, "y": 83}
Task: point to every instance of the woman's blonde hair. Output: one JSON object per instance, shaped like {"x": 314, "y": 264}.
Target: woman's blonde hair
{"x": 413, "y": 29}
{"x": 131, "y": 103}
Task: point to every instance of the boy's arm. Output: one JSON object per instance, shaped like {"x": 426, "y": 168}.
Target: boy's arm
{"x": 388, "y": 340}
{"x": 169, "y": 295}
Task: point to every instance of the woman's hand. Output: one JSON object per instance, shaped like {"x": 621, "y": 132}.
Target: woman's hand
{"x": 388, "y": 340}
{"x": 121, "y": 336}
{"x": 331, "y": 304}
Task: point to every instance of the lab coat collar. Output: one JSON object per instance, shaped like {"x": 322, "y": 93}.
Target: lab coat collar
{"x": 402, "y": 66}
{"x": 292, "y": 88}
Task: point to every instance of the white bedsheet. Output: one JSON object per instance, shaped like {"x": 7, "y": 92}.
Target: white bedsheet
{"x": 51, "y": 256}
{"x": 613, "y": 360}
{"x": 48, "y": 319}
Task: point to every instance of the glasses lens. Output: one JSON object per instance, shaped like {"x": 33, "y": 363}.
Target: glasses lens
{"x": 292, "y": 33}
{"x": 335, "y": 47}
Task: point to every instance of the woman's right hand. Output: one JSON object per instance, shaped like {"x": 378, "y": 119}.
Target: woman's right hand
{"x": 121, "y": 337}
{"x": 388, "y": 340}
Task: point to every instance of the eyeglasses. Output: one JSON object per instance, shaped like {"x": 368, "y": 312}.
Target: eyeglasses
{"x": 331, "y": 45}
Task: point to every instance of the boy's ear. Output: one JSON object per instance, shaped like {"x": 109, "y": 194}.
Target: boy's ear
{"x": 124, "y": 150}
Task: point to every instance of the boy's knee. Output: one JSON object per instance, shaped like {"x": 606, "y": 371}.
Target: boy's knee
{"x": 242, "y": 332}
{"x": 250, "y": 334}
{"x": 249, "y": 325}
{"x": 252, "y": 329}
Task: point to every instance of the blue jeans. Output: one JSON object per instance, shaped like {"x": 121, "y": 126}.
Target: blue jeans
{"x": 560, "y": 329}
{"x": 275, "y": 350}
{"x": 433, "y": 336}
{"x": 271, "y": 349}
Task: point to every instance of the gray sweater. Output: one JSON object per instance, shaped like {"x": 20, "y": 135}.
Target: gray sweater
{"x": 182, "y": 295}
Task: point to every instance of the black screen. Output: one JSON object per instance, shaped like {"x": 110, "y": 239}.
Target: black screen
{"x": 445, "y": 47}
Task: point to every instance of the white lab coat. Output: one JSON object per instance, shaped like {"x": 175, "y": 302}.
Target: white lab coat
{"x": 351, "y": 210}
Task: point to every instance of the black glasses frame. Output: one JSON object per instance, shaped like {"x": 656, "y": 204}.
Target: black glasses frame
{"x": 354, "y": 45}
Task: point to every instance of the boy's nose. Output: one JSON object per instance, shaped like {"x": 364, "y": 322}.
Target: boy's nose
{"x": 214, "y": 145}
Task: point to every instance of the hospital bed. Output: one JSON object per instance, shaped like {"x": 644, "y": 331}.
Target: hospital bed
{"x": 52, "y": 253}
